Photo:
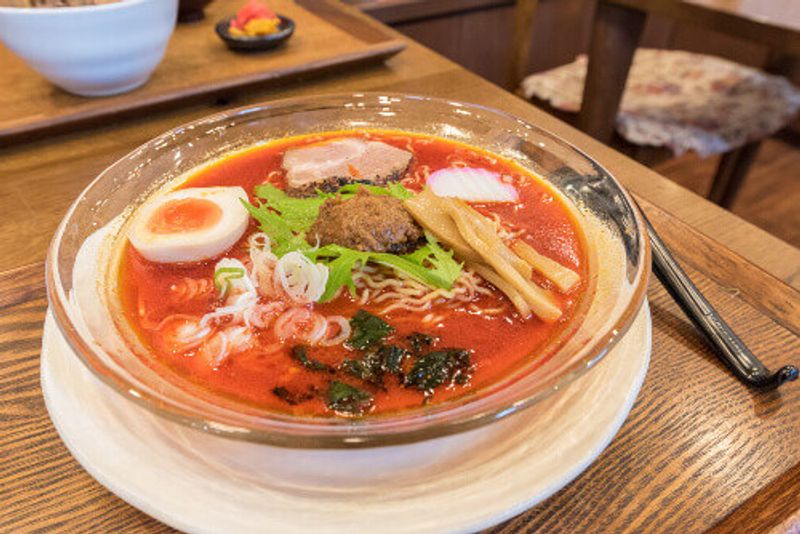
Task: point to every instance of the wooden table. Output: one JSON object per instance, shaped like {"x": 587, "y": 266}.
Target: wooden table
{"x": 699, "y": 451}
{"x": 618, "y": 25}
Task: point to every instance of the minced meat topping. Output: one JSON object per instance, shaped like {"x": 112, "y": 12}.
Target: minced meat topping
{"x": 367, "y": 222}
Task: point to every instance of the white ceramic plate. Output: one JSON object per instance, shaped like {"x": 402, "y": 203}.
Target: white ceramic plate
{"x": 197, "y": 482}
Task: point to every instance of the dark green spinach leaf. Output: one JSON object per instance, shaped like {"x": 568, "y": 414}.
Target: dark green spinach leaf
{"x": 372, "y": 368}
{"x": 368, "y": 330}
{"x": 392, "y": 357}
{"x": 419, "y": 342}
{"x": 345, "y": 399}
{"x": 444, "y": 366}
{"x": 293, "y": 398}
{"x": 300, "y": 354}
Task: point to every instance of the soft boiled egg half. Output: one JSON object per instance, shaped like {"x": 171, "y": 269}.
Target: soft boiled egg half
{"x": 189, "y": 225}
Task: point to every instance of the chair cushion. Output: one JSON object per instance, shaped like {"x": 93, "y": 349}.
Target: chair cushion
{"x": 681, "y": 100}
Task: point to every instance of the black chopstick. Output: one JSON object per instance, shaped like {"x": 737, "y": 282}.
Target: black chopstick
{"x": 726, "y": 344}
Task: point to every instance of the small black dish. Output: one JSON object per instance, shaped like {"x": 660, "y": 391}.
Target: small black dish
{"x": 259, "y": 43}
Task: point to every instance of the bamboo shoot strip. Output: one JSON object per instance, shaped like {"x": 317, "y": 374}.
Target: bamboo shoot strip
{"x": 539, "y": 300}
{"x": 426, "y": 208}
{"x": 486, "y": 231}
{"x": 563, "y": 277}
{"x": 497, "y": 281}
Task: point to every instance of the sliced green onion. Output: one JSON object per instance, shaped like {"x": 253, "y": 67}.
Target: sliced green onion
{"x": 223, "y": 277}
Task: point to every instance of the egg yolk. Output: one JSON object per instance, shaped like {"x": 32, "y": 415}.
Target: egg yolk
{"x": 184, "y": 215}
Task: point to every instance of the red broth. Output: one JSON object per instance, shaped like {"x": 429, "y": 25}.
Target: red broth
{"x": 499, "y": 343}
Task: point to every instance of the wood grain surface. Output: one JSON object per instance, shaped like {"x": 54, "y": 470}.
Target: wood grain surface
{"x": 769, "y": 196}
{"x": 774, "y": 23}
{"x": 197, "y": 66}
{"x": 779, "y": 13}
{"x": 696, "y": 446}
{"x": 699, "y": 451}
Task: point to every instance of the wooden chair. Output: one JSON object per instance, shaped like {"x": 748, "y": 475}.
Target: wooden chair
{"x": 733, "y": 166}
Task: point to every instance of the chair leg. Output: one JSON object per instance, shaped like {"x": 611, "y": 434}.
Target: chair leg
{"x": 616, "y": 30}
{"x": 731, "y": 172}
{"x": 521, "y": 38}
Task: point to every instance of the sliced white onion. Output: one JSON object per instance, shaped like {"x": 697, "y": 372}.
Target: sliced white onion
{"x": 240, "y": 338}
{"x": 471, "y": 184}
{"x": 263, "y": 263}
{"x": 301, "y": 324}
{"x": 286, "y": 326}
{"x": 263, "y": 315}
{"x": 183, "y": 332}
{"x": 224, "y": 343}
{"x": 318, "y": 331}
{"x": 236, "y": 307}
{"x": 344, "y": 331}
{"x": 302, "y": 280}
{"x": 216, "y": 350}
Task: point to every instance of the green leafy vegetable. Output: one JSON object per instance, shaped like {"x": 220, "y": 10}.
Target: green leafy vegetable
{"x": 376, "y": 364}
{"x": 294, "y": 398}
{"x": 300, "y": 354}
{"x": 280, "y": 234}
{"x": 436, "y": 368}
{"x": 286, "y": 220}
{"x": 367, "y": 369}
{"x": 444, "y": 266}
{"x": 430, "y": 264}
{"x": 298, "y": 213}
{"x": 393, "y": 189}
{"x": 340, "y": 261}
{"x": 348, "y": 400}
{"x": 392, "y": 358}
{"x": 368, "y": 330}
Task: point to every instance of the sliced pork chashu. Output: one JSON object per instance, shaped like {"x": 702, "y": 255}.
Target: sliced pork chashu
{"x": 331, "y": 164}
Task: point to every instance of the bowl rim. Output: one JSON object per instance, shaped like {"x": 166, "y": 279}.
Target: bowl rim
{"x": 49, "y": 10}
{"x": 344, "y": 437}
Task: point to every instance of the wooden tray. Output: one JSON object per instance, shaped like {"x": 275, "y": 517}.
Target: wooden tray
{"x": 198, "y": 66}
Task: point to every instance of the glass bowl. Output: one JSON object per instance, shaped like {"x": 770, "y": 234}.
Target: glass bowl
{"x": 619, "y": 259}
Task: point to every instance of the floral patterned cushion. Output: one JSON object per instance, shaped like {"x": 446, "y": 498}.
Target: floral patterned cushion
{"x": 682, "y": 100}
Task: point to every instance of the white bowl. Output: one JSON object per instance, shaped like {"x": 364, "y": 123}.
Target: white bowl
{"x": 92, "y": 50}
